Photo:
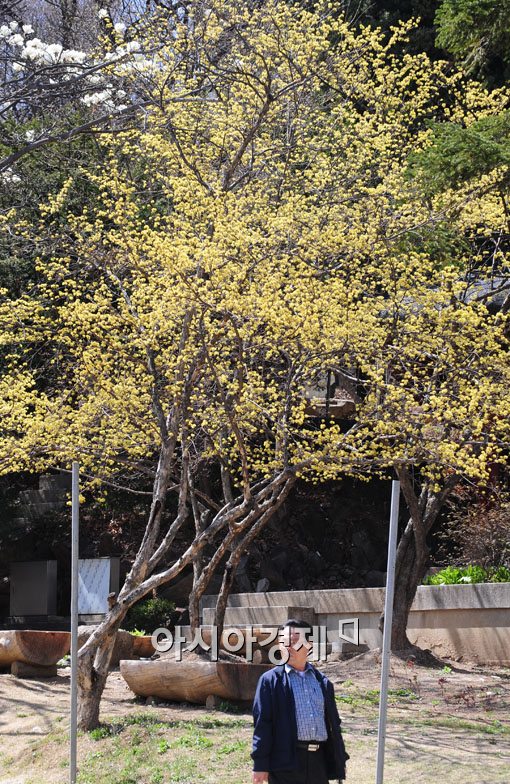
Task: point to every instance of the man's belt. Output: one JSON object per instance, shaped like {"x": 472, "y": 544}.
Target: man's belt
{"x": 311, "y": 745}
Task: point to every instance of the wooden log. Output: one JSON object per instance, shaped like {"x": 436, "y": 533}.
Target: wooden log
{"x": 33, "y": 647}
{"x": 192, "y": 680}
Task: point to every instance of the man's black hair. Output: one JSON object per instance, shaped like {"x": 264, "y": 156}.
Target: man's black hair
{"x": 297, "y": 623}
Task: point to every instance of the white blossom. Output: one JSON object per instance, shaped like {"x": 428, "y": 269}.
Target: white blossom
{"x": 54, "y": 51}
{"x": 17, "y": 67}
{"x": 102, "y": 13}
{"x": 16, "y": 40}
{"x": 119, "y": 27}
{"x": 133, "y": 46}
{"x": 4, "y": 31}
{"x": 28, "y": 29}
{"x": 73, "y": 56}
{"x": 121, "y": 107}
{"x": 30, "y": 135}
{"x": 91, "y": 99}
{"x": 34, "y": 49}
{"x": 9, "y": 176}
{"x": 13, "y": 25}
{"x": 121, "y": 93}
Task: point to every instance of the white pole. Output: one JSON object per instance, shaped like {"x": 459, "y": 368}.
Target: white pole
{"x": 74, "y": 621}
{"x": 388, "y": 622}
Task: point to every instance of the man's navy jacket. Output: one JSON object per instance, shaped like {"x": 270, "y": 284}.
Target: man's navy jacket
{"x": 275, "y": 731}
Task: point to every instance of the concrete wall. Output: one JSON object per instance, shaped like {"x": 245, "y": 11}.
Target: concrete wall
{"x": 462, "y": 622}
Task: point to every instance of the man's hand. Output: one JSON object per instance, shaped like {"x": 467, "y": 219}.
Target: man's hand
{"x": 259, "y": 777}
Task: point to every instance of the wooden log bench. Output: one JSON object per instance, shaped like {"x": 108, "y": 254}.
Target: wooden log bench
{"x": 37, "y": 651}
{"x": 192, "y": 680}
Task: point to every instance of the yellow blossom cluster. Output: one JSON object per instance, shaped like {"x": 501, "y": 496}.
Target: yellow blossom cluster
{"x": 258, "y": 230}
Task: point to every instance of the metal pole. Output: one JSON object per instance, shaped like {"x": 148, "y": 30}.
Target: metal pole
{"x": 388, "y": 622}
{"x": 74, "y": 621}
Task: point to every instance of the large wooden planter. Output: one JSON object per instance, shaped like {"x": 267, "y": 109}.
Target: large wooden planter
{"x": 192, "y": 681}
{"x": 143, "y": 647}
{"x": 33, "y": 647}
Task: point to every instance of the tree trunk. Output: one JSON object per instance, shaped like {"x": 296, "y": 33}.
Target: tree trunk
{"x": 93, "y": 664}
{"x": 89, "y": 697}
{"x": 413, "y": 552}
{"x": 409, "y": 572}
{"x": 242, "y": 547}
{"x": 238, "y": 517}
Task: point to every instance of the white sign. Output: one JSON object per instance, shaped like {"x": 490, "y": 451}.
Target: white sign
{"x": 93, "y": 585}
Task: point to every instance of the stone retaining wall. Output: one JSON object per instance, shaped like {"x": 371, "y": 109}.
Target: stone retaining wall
{"x": 462, "y": 622}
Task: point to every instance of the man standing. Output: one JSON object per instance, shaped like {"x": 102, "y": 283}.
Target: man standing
{"x": 296, "y": 737}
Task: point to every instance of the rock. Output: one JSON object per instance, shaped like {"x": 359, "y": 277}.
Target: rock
{"x": 123, "y": 648}
{"x": 375, "y": 579}
{"x": 23, "y": 670}
{"x": 262, "y": 585}
{"x": 212, "y": 702}
{"x": 243, "y": 582}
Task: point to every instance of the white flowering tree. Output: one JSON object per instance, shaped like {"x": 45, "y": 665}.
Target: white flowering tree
{"x": 52, "y": 93}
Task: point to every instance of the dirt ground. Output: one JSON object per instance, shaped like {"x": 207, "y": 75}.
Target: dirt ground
{"x": 449, "y": 723}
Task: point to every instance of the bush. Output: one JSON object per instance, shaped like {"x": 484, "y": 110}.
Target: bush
{"x": 477, "y": 533}
{"x": 461, "y": 575}
{"x": 150, "y": 614}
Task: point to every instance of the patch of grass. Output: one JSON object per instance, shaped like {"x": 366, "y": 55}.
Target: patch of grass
{"x": 234, "y": 746}
{"x": 370, "y": 698}
{"x": 144, "y": 748}
{"x": 404, "y": 694}
{"x": 193, "y": 740}
{"x": 229, "y": 707}
{"x": 454, "y": 723}
{"x": 104, "y": 731}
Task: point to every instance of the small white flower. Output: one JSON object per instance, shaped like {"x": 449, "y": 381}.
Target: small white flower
{"x": 17, "y": 67}
{"x": 28, "y": 29}
{"x": 9, "y": 176}
{"x": 73, "y": 56}
{"x": 16, "y": 40}
{"x": 121, "y": 107}
{"x": 4, "y": 31}
{"x": 30, "y": 135}
{"x": 119, "y": 27}
{"x": 91, "y": 99}
{"x": 54, "y": 51}
{"x": 36, "y": 43}
{"x": 133, "y": 46}
{"x": 102, "y": 13}
{"x": 121, "y": 93}
{"x": 465, "y": 579}
{"x": 13, "y": 25}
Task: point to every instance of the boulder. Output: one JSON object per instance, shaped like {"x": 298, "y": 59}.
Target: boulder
{"x": 123, "y": 648}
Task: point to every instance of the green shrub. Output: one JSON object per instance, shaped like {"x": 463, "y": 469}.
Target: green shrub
{"x": 150, "y": 614}
{"x": 461, "y": 575}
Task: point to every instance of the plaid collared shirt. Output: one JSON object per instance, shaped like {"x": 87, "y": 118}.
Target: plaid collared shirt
{"x": 309, "y": 701}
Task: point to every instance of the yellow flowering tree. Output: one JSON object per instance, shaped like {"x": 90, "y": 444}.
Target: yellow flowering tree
{"x": 257, "y": 230}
